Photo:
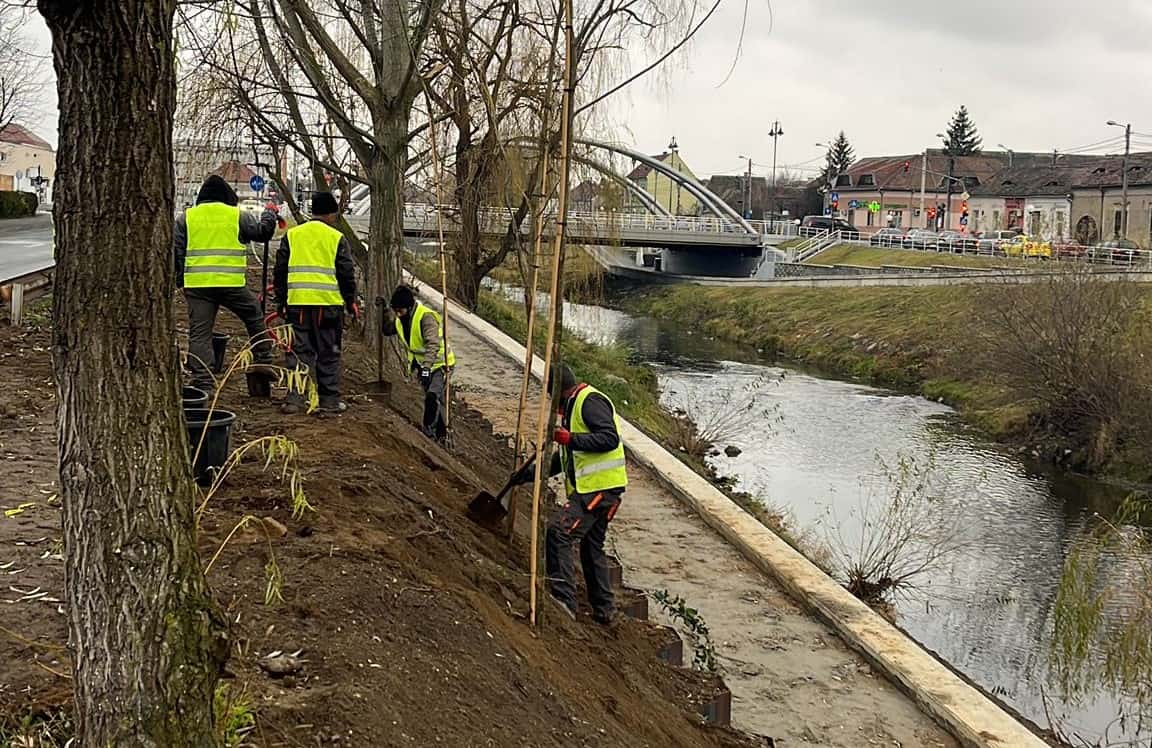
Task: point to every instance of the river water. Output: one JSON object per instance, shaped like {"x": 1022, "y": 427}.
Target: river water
{"x": 815, "y": 448}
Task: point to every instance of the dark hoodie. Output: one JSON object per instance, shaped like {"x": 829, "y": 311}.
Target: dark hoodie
{"x": 252, "y": 228}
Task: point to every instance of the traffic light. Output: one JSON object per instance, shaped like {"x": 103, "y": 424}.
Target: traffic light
{"x": 907, "y": 166}
{"x": 964, "y": 209}
{"x": 931, "y": 212}
{"x": 835, "y": 205}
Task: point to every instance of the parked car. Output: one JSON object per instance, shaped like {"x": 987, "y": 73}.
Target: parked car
{"x": 955, "y": 241}
{"x": 991, "y": 242}
{"x": 887, "y": 237}
{"x": 812, "y": 224}
{"x": 252, "y": 206}
{"x": 1028, "y": 247}
{"x": 1115, "y": 252}
{"x": 921, "y": 239}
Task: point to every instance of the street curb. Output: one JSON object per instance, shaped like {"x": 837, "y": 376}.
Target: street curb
{"x": 961, "y": 709}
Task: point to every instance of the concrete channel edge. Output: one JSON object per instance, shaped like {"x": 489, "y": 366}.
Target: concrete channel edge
{"x": 964, "y": 711}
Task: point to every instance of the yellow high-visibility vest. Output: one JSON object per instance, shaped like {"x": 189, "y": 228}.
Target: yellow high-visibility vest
{"x": 312, "y": 265}
{"x": 215, "y": 258}
{"x": 415, "y": 345}
{"x": 594, "y": 471}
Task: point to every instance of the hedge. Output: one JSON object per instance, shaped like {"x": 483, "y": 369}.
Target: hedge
{"x": 17, "y": 204}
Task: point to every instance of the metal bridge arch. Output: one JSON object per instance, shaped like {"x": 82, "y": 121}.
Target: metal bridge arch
{"x": 707, "y": 198}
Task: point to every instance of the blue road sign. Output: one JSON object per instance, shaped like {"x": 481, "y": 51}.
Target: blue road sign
{"x": 256, "y": 183}
{"x": 835, "y": 196}
{"x": 853, "y": 204}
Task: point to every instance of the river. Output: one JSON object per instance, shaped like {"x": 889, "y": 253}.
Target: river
{"x": 813, "y": 446}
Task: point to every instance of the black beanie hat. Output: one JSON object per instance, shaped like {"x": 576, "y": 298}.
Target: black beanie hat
{"x": 324, "y": 204}
{"x": 567, "y": 379}
{"x": 216, "y": 190}
{"x": 402, "y": 298}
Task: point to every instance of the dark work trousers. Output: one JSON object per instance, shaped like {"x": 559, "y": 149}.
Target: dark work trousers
{"x": 583, "y": 519}
{"x": 203, "y": 303}
{"x": 316, "y": 336}
{"x": 434, "y": 393}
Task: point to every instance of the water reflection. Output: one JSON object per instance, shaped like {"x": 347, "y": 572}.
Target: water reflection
{"x": 988, "y": 611}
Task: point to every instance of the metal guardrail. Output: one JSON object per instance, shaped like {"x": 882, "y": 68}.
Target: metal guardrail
{"x": 20, "y": 285}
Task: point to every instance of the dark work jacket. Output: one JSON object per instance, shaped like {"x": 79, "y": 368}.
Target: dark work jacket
{"x": 345, "y": 273}
{"x": 603, "y": 436}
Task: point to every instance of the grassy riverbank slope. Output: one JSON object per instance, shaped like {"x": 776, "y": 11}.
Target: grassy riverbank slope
{"x": 936, "y": 342}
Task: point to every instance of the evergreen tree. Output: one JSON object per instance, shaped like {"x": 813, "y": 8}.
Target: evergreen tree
{"x": 963, "y": 139}
{"x": 840, "y": 156}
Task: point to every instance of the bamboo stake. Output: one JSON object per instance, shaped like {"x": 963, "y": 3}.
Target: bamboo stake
{"x": 529, "y": 353}
{"x": 439, "y": 171}
{"x": 558, "y": 246}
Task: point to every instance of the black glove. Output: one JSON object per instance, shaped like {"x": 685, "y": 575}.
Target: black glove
{"x": 425, "y": 377}
{"x": 526, "y": 473}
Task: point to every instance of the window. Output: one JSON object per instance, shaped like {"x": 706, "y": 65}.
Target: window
{"x": 1060, "y": 222}
{"x": 843, "y": 180}
{"x": 995, "y": 220}
{"x": 866, "y": 180}
{"x": 896, "y": 218}
{"x": 1034, "y": 222}
{"x": 1118, "y": 222}
{"x": 871, "y": 219}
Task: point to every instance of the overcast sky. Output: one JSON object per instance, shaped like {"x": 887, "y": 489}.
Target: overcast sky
{"x": 1034, "y": 74}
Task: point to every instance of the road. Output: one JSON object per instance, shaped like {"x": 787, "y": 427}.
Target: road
{"x": 25, "y": 245}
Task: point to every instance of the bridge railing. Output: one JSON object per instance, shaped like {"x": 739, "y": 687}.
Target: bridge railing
{"x": 425, "y": 217}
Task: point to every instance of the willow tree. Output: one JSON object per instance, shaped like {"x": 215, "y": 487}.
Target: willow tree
{"x": 145, "y": 644}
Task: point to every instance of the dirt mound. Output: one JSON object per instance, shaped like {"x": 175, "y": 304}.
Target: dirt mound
{"x": 409, "y": 619}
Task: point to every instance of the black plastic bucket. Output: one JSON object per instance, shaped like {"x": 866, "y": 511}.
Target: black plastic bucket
{"x": 194, "y": 397}
{"x": 219, "y": 351}
{"x": 216, "y": 447}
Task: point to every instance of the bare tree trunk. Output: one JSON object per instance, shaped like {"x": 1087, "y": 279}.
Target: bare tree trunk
{"x": 146, "y": 644}
{"x": 385, "y": 226}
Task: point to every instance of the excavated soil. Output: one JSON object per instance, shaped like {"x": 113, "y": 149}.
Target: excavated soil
{"x": 410, "y": 620}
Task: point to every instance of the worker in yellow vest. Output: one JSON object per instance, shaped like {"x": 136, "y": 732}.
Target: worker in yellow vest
{"x": 315, "y": 283}
{"x": 590, "y": 454}
{"x": 421, "y": 331}
{"x": 210, "y": 244}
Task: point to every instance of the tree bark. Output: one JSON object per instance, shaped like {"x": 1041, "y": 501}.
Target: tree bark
{"x": 386, "y": 220}
{"x": 145, "y": 640}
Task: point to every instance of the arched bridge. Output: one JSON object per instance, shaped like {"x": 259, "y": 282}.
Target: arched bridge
{"x": 720, "y": 243}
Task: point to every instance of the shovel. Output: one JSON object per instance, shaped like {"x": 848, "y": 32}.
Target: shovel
{"x": 380, "y": 386}
{"x": 490, "y": 510}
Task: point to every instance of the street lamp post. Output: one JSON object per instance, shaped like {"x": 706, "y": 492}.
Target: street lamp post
{"x": 775, "y": 133}
{"x": 675, "y": 151}
{"x": 1124, "y": 176}
{"x": 1010, "y": 153}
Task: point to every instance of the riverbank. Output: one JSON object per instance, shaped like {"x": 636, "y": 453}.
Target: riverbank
{"x": 921, "y": 341}
{"x": 410, "y": 620}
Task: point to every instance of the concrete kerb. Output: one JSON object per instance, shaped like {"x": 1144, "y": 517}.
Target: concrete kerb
{"x": 961, "y": 709}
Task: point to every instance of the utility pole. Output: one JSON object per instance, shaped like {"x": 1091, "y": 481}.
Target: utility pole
{"x": 748, "y": 189}
{"x": 675, "y": 151}
{"x": 775, "y": 133}
{"x": 1124, "y": 177}
{"x": 923, "y": 186}
{"x": 948, "y": 200}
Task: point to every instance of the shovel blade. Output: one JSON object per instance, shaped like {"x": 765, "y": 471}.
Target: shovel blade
{"x": 486, "y": 510}
{"x": 381, "y": 387}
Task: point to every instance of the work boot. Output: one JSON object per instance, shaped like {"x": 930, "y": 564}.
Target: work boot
{"x": 607, "y": 619}
{"x": 335, "y": 405}
{"x": 293, "y": 405}
{"x": 568, "y": 611}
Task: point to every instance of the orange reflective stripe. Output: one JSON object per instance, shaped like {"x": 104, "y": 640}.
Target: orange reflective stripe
{"x": 612, "y": 511}
{"x": 595, "y": 502}
{"x": 574, "y": 525}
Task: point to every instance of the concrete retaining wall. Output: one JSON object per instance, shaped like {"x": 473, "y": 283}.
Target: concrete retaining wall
{"x": 962, "y": 710}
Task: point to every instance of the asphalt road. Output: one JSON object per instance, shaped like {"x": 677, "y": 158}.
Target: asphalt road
{"x": 25, "y": 245}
